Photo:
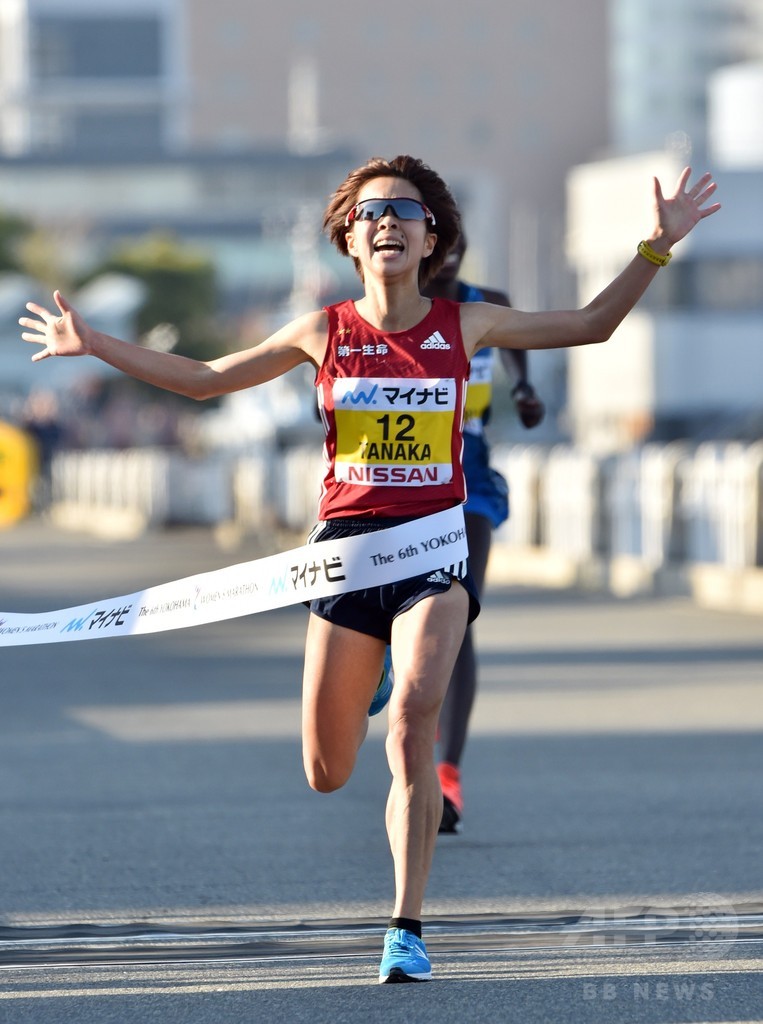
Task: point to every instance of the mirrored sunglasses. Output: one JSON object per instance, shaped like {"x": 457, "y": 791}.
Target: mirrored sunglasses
{"x": 403, "y": 209}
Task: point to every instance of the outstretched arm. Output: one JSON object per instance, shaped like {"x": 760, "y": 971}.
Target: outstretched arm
{"x": 530, "y": 409}
{"x": 676, "y": 215}
{"x": 66, "y": 333}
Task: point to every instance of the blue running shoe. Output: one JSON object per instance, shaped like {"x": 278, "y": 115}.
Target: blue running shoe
{"x": 405, "y": 958}
{"x": 384, "y": 689}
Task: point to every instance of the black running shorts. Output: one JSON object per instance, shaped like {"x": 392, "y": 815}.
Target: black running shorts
{"x": 371, "y": 611}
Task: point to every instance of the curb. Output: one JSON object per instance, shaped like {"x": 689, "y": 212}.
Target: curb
{"x": 708, "y": 585}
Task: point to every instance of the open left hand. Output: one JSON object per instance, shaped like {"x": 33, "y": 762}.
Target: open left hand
{"x": 677, "y": 214}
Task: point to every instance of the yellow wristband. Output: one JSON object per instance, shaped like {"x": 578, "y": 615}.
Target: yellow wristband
{"x": 644, "y": 249}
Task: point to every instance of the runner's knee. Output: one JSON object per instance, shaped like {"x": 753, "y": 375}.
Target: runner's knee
{"x": 410, "y": 741}
{"x": 327, "y": 776}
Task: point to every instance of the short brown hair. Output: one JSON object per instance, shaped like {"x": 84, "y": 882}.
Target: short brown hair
{"x": 434, "y": 193}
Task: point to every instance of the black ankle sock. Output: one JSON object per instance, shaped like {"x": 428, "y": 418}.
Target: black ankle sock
{"x": 407, "y": 923}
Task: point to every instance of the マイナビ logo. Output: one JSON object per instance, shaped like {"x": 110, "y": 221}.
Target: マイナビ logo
{"x": 435, "y": 340}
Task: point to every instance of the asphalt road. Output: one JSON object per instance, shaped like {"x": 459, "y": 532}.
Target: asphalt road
{"x": 164, "y": 860}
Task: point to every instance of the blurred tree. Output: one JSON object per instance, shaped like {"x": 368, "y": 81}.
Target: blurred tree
{"x": 40, "y": 255}
{"x": 12, "y": 231}
{"x": 182, "y": 291}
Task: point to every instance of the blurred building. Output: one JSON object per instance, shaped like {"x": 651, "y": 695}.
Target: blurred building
{"x": 662, "y": 56}
{"x": 225, "y": 124}
{"x": 686, "y": 87}
{"x": 239, "y": 209}
{"x": 735, "y": 118}
{"x": 84, "y": 76}
{"x": 500, "y": 98}
{"x": 688, "y": 361}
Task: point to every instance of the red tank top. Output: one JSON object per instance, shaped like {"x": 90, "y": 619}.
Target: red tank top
{"x": 392, "y": 407}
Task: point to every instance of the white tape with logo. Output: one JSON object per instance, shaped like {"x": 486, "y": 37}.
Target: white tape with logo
{"x": 315, "y": 570}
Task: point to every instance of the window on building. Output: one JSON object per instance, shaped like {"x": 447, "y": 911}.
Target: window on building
{"x": 96, "y": 47}
{"x": 733, "y": 284}
{"x": 116, "y": 131}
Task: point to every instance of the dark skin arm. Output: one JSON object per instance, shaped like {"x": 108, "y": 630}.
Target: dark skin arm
{"x": 530, "y": 409}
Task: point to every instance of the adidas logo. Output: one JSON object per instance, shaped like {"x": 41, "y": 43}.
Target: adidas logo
{"x": 435, "y": 340}
{"x": 437, "y": 577}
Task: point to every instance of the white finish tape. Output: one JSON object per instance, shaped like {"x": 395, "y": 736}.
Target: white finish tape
{"x": 314, "y": 570}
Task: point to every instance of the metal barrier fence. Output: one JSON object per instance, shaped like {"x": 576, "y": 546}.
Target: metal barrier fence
{"x": 158, "y": 485}
{"x": 720, "y": 504}
{"x": 661, "y": 504}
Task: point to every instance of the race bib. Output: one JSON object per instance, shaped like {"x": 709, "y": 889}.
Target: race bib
{"x": 393, "y": 432}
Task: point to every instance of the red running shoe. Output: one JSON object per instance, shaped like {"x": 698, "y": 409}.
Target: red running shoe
{"x": 452, "y": 800}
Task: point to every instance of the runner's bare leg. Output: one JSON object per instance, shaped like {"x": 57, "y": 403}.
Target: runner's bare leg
{"x": 342, "y": 671}
{"x": 425, "y": 642}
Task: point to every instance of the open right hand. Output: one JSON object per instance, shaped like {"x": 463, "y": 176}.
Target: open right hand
{"x": 64, "y": 334}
